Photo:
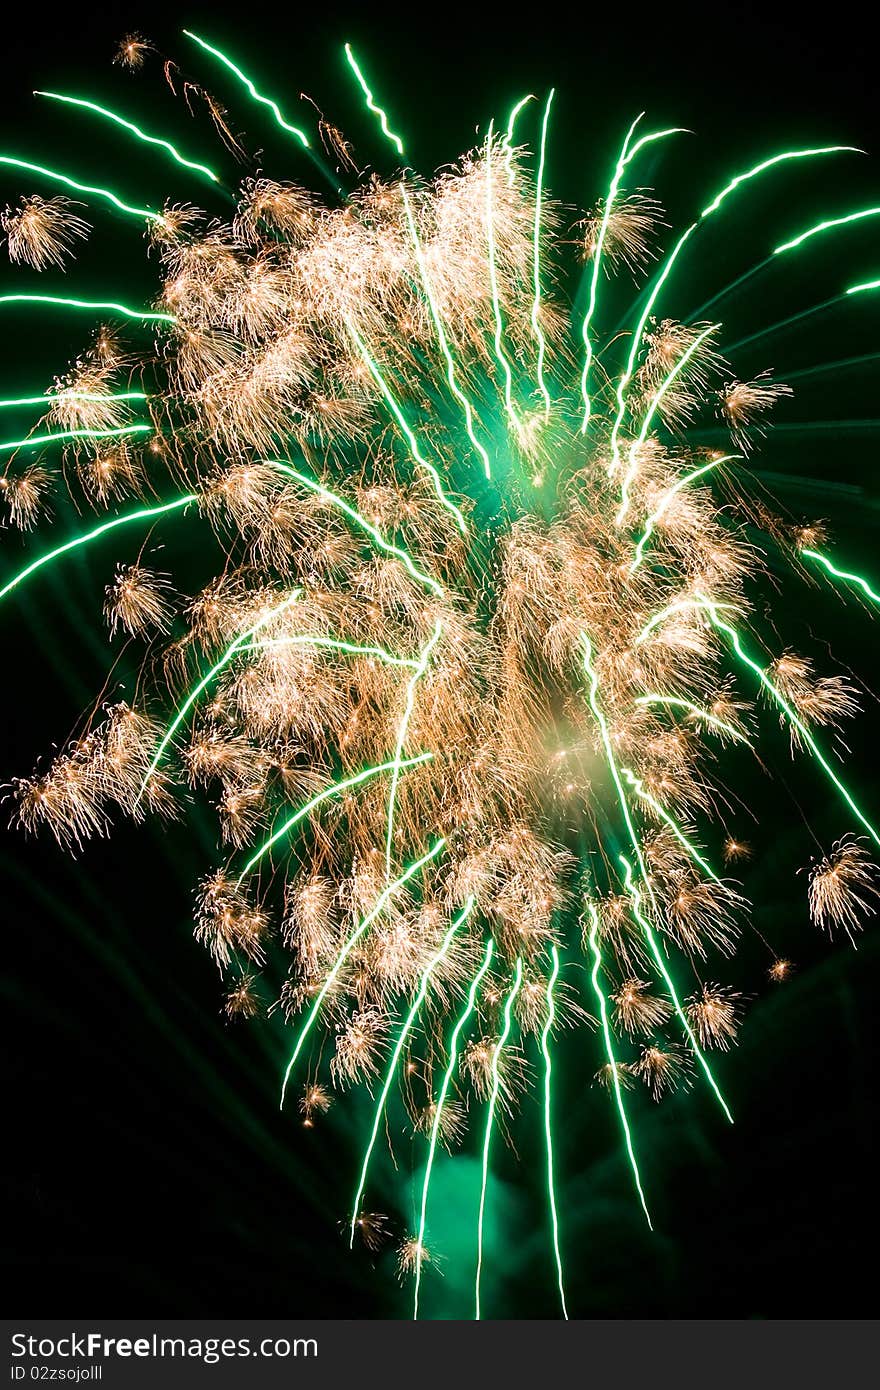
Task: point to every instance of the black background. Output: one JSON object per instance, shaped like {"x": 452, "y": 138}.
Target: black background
{"x": 149, "y": 1170}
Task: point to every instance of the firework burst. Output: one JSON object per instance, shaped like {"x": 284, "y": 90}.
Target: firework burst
{"x": 475, "y": 629}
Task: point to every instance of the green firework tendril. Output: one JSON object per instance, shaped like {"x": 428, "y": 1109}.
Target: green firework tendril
{"x": 371, "y": 105}
{"x": 843, "y": 574}
{"x": 420, "y": 670}
{"x": 264, "y": 101}
{"x": 133, "y": 129}
{"x": 147, "y": 315}
{"x": 536, "y": 260}
{"x": 398, "y": 1049}
{"x": 105, "y": 193}
{"x": 548, "y": 1131}
{"x": 438, "y": 1111}
{"x": 490, "y": 1117}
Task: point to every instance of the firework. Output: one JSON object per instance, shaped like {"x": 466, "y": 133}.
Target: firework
{"x": 479, "y": 623}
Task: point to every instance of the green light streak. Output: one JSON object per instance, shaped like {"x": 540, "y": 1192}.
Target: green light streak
{"x": 843, "y": 574}
{"x": 361, "y": 521}
{"x": 673, "y": 257}
{"x": 508, "y": 138}
{"x": 141, "y": 514}
{"x": 398, "y": 1049}
{"x": 643, "y": 922}
{"x": 438, "y": 1112}
{"x": 420, "y": 670}
{"x": 612, "y": 1062}
{"x": 233, "y": 648}
{"x": 264, "y": 101}
{"x": 622, "y": 162}
{"x": 72, "y": 396}
{"x": 639, "y": 789}
{"x": 80, "y": 187}
{"x": 349, "y": 946}
{"x": 548, "y": 1131}
{"x": 145, "y": 314}
{"x": 333, "y": 644}
{"x": 679, "y": 607}
{"x": 667, "y": 498}
{"x": 324, "y": 795}
{"x": 490, "y": 1117}
{"x": 536, "y": 301}
{"x": 405, "y": 428}
{"x": 60, "y": 436}
{"x": 868, "y": 285}
{"x": 371, "y": 105}
{"x": 441, "y": 333}
{"x": 694, "y": 709}
{"x": 500, "y": 354}
{"x": 135, "y": 130}
{"x": 649, "y": 416}
{"x": 825, "y": 226}
{"x": 634, "y": 840}
{"x": 791, "y": 714}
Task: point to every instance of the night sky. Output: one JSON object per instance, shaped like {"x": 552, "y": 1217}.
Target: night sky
{"x": 150, "y": 1171}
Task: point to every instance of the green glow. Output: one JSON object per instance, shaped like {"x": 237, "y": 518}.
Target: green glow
{"x": 639, "y": 789}
{"x": 678, "y": 607}
{"x": 500, "y": 354}
{"x": 362, "y": 522}
{"x": 791, "y": 714}
{"x": 59, "y": 436}
{"x": 406, "y": 429}
{"x": 233, "y": 648}
{"x": 824, "y": 226}
{"x": 536, "y": 301}
{"x": 145, "y": 314}
{"x": 333, "y": 644}
{"x": 441, "y": 334}
{"x": 490, "y": 1117}
{"x": 349, "y": 946}
{"x": 420, "y": 670}
{"x": 72, "y": 396}
{"x": 637, "y": 443}
{"x": 673, "y": 257}
{"x": 398, "y": 1049}
{"x": 634, "y": 840}
{"x": 508, "y": 138}
{"x": 548, "y": 1131}
{"x": 667, "y": 498}
{"x": 135, "y": 130}
{"x": 371, "y": 105}
{"x": 324, "y": 795}
{"x": 609, "y": 1052}
{"x": 80, "y": 187}
{"x": 843, "y": 574}
{"x": 643, "y": 922}
{"x": 702, "y": 714}
{"x": 868, "y": 285}
{"x": 141, "y": 514}
{"x": 438, "y": 1112}
{"x": 265, "y": 101}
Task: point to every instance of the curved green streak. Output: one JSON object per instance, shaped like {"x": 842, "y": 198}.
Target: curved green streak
{"x": 80, "y": 187}
{"x": 332, "y": 644}
{"x": 361, "y": 521}
{"x": 500, "y": 354}
{"x": 371, "y": 105}
{"x": 824, "y": 227}
{"x": 441, "y": 1101}
{"x": 694, "y": 709}
{"x": 349, "y": 946}
{"x": 72, "y": 396}
{"x": 197, "y": 689}
{"x": 398, "y": 1049}
{"x": 639, "y": 789}
{"x": 332, "y": 790}
{"x": 490, "y": 1117}
{"x": 680, "y": 606}
{"x": 60, "y": 436}
{"x": 609, "y": 1052}
{"x": 536, "y": 259}
{"x": 406, "y": 428}
{"x": 264, "y": 101}
{"x": 843, "y": 574}
{"x": 548, "y": 1131}
{"x": 667, "y": 498}
{"x": 141, "y": 514}
{"x": 145, "y": 314}
{"x": 508, "y": 138}
{"x": 420, "y": 670}
{"x": 134, "y": 130}
{"x": 791, "y": 713}
{"x": 868, "y": 285}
